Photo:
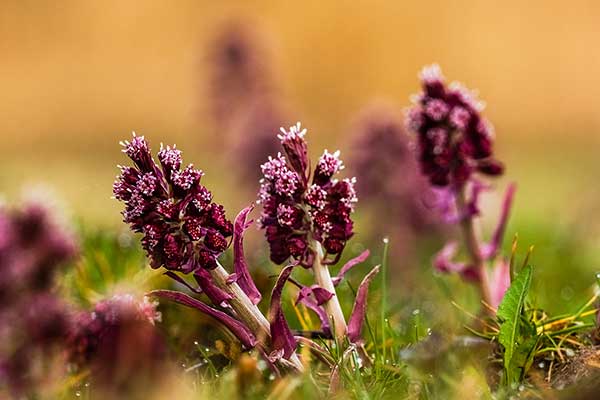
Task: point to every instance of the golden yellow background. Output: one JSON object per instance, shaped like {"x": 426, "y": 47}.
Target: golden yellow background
{"x": 77, "y": 76}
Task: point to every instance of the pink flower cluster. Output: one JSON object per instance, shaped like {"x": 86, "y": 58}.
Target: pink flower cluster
{"x": 454, "y": 140}
{"x": 297, "y": 208}
{"x": 183, "y": 228}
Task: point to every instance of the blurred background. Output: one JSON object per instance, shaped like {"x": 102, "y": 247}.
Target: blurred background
{"x": 219, "y": 77}
{"x": 77, "y": 77}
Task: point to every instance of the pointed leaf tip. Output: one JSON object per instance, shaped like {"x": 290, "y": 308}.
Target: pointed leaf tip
{"x": 349, "y": 265}
{"x": 509, "y": 313}
{"x": 282, "y": 339}
{"x": 242, "y": 273}
{"x": 217, "y": 295}
{"x": 359, "y": 310}
{"x": 315, "y": 303}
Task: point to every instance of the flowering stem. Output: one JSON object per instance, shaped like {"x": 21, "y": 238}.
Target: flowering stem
{"x": 248, "y": 312}
{"x": 332, "y": 306}
{"x": 474, "y": 248}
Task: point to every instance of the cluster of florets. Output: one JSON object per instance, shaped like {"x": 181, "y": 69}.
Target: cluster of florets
{"x": 388, "y": 174}
{"x": 454, "y": 140}
{"x": 33, "y": 319}
{"x": 33, "y": 246}
{"x": 93, "y": 329}
{"x": 183, "y": 228}
{"x": 297, "y": 209}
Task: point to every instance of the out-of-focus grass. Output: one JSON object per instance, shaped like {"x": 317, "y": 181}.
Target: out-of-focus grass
{"x": 427, "y": 352}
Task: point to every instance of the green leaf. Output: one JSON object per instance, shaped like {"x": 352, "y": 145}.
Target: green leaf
{"x": 509, "y": 313}
{"x": 522, "y": 358}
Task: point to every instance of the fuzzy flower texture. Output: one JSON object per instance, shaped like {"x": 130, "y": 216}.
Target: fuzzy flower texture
{"x": 454, "y": 143}
{"x": 454, "y": 140}
{"x": 184, "y": 230}
{"x": 297, "y": 208}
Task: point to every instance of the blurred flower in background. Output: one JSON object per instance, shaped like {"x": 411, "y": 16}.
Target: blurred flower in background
{"x": 246, "y": 105}
{"x": 388, "y": 177}
{"x": 118, "y": 342}
{"x": 34, "y": 320}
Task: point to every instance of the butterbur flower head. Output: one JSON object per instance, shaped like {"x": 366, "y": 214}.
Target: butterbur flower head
{"x": 33, "y": 246}
{"x": 454, "y": 140}
{"x": 117, "y": 340}
{"x": 91, "y": 327}
{"x": 238, "y": 70}
{"x": 183, "y": 228}
{"x": 387, "y": 171}
{"x": 296, "y": 209}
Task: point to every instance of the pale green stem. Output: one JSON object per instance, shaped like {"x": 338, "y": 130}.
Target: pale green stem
{"x": 332, "y": 306}
{"x": 473, "y": 247}
{"x": 249, "y": 313}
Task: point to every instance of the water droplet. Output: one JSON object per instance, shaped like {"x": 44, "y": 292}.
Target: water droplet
{"x": 87, "y": 384}
{"x": 416, "y": 312}
{"x": 542, "y": 365}
{"x": 196, "y": 342}
{"x": 272, "y": 377}
{"x": 125, "y": 240}
{"x": 386, "y": 240}
{"x": 570, "y": 353}
{"x": 521, "y": 388}
{"x": 206, "y": 349}
{"x": 429, "y": 331}
{"x": 78, "y": 393}
{"x": 567, "y": 293}
{"x": 182, "y": 365}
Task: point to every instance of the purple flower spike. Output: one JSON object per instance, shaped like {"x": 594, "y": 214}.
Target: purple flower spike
{"x": 183, "y": 229}
{"x": 283, "y": 341}
{"x": 33, "y": 248}
{"x": 454, "y": 140}
{"x": 98, "y": 338}
{"x": 185, "y": 232}
{"x": 349, "y": 265}
{"x": 357, "y": 318}
{"x": 236, "y": 327}
{"x": 294, "y": 211}
{"x": 242, "y": 273}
